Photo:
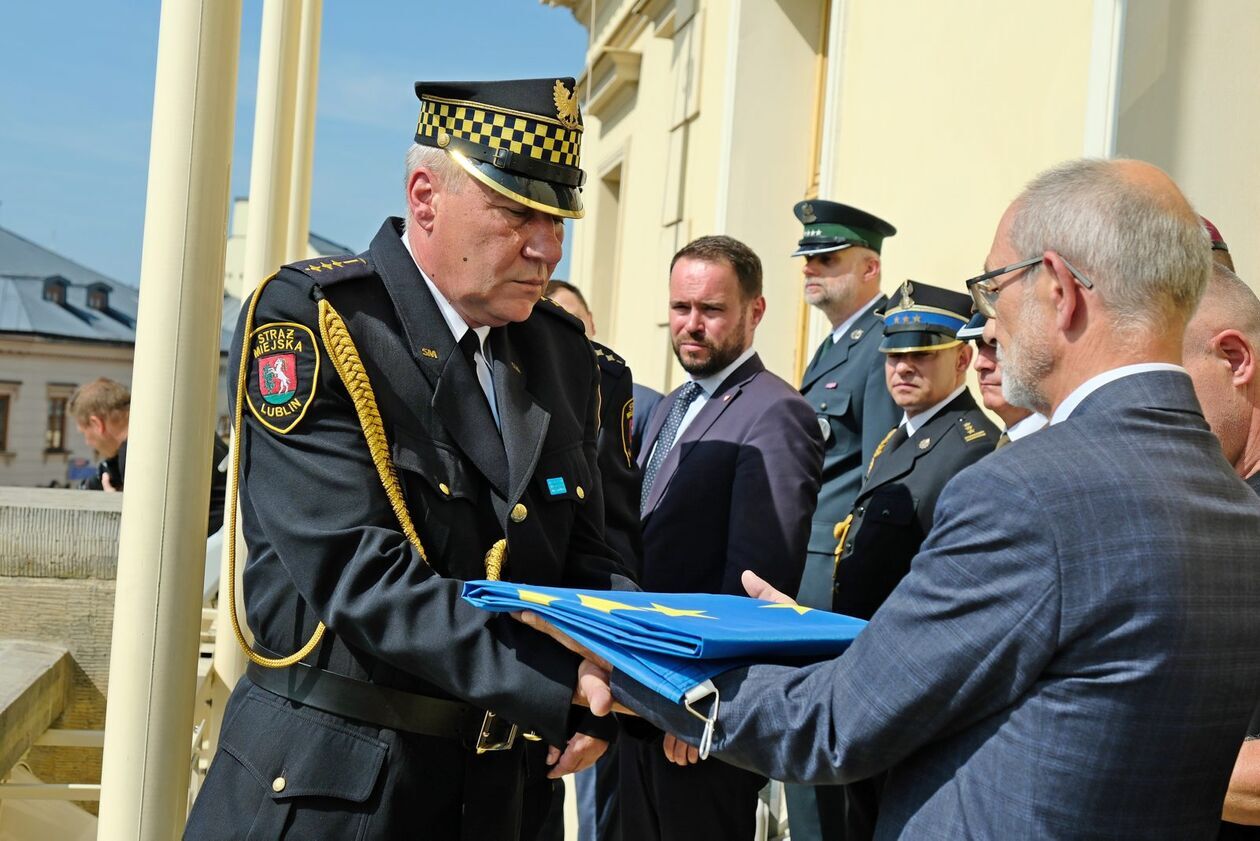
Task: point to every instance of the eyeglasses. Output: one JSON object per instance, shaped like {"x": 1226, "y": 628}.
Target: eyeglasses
{"x": 984, "y": 292}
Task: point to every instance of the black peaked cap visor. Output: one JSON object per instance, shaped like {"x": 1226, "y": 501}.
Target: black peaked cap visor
{"x": 534, "y": 193}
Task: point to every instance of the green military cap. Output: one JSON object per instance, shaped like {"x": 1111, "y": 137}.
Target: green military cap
{"x": 831, "y": 226}
{"x": 924, "y": 318}
{"x": 521, "y": 138}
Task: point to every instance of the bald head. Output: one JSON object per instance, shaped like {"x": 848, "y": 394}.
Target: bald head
{"x": 1220, "y": 348}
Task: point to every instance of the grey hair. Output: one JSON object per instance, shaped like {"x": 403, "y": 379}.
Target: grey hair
{"x": 438, "y": 162}
{"x": 1148, "y": 256}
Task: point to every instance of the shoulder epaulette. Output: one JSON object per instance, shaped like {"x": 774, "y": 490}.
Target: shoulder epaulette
{"x": 970, "y": 432}
{"x": 331, "y": 270}
{"x": 607, "y": 359}
{"x": 550, "y": 307}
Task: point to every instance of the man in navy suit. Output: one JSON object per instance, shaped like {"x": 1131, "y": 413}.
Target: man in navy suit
{"x": 730, "y": 463}
{"x": 1076, "y": 650}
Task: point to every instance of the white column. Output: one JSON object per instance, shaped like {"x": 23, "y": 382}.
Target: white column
{"x": 148, "y": 730}
{"x": 304, "y": 128}
{"x": 265, "y": 251}
{"x": 272, "y": 160}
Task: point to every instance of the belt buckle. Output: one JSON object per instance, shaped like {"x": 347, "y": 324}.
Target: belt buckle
{"x": 491, "y": 736}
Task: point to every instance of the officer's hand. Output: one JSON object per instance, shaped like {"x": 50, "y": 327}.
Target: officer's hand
{"x": 536, "y": 622}
{"x": 594, "y": 688}
{"x": 107, "y": 484}
{"x": 756, "y": 586}
{"x": 679, "y": 752}
{"x": 581, "y": 752}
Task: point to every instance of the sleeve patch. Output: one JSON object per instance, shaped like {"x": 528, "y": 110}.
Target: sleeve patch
{"x": 281, "y": 374}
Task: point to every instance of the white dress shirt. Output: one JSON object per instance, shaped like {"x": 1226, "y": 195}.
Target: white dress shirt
{"x": 708, "y": 385}
{"x": 914, "y": 424}
{"x": 458, "y": 328}
{"x": 1091, "y": 385}
{"x": 1026, "y": 426}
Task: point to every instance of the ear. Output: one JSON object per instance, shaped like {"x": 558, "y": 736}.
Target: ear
{"x": 1065, "y": 294}
{"x": 873, "y": 266}
{"x": 422, "y": 193}
{"x": 1233, "y": 347}
{"x": 758, "y": 309}
{"x": 97, "y": 424}
{"x": 964, "y": 358}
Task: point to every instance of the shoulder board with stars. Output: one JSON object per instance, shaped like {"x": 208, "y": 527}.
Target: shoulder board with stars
{"x": 546, "y": 305}
{"x": 330, "y": 270}
{"x": 970, "y": 432}
{"x": 607, "y": 359}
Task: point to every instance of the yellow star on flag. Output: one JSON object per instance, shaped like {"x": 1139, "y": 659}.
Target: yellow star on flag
{"x": 536, "y": 598}
{"x": 604, "y": 605}
{"x": 799, "y": 608}
{"x": 674, "y": 611}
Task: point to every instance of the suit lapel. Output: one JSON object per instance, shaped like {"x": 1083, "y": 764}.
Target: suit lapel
{"x": 433, "y": 349}
{"x": 836, "y": 355}
{"x": 523, "y": 421}
{"x": 901, "y": 461}
{"x": 726, "y": 394}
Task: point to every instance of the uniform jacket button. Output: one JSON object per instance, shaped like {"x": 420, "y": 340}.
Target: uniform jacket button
{"x": 848, "y": 547}
{"x": 444, "y": 488}
{"x": 581, "y": 494}
{"x": 860, "y": 511}
{"x": 277, "y": 785}
{"x": 822, "y": 406}
{"x": 519, "y": 513}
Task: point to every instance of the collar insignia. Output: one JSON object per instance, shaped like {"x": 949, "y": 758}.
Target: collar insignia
{"x": 925, "y": 443}
{"x": 856, "y": 334}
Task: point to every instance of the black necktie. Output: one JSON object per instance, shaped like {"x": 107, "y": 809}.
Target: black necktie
{"x": 898, "y": 438}
{"x": 665, "y": 441}
{"x": 470, "y": 345}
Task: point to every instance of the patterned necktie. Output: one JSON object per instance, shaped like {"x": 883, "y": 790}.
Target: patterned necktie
{"x": 665, "y": 441}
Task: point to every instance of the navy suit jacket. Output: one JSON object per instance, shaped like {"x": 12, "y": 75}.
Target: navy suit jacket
{"x": 736, "y": 491}
{"x": 1074, "y": 654}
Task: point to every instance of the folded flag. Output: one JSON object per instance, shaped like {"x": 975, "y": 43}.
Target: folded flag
{"x": 674, "y": 643}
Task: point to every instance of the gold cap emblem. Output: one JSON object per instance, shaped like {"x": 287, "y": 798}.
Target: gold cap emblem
{"x": 566, "y": 105}
{"x": 807, "y": 213}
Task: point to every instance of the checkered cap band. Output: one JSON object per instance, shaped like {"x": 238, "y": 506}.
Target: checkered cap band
{"x": 542, "y": 141}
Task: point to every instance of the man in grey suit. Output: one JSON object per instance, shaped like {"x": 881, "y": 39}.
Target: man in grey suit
{"x": 1076, "y": 650}
{"x": 730, "y": 463}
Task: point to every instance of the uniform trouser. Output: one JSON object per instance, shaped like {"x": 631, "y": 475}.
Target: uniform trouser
{"x": 661, "y": 801}
{"x": 599, "y": 799}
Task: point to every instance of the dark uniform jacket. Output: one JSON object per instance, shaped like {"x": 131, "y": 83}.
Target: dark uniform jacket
{"x": 325, "y": 544}
{"x": 894, "y": 510}
{"x": 615, "y": 453}
{"x": 845, "y": 386}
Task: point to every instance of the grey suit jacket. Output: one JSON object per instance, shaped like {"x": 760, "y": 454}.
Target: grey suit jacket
{"x": 736, "y": 491}
{"x": 1074, "y": 654}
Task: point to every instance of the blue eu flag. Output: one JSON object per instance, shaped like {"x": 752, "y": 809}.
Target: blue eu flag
{"x": 674, "y": 642}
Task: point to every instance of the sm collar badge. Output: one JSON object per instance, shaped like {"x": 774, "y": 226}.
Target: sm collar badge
{"x": 285, "y": 368}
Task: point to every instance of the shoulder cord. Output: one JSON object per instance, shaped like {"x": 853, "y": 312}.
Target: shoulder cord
{"x": 841, "y": 530}
{"x": 345, "y": 359}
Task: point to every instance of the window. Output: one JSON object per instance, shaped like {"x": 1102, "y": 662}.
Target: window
{"x": 55, "y": 290}
{"x": 5, "y": 402}
{"x": 55, "y": 434}
{"x": 98, "y": 297}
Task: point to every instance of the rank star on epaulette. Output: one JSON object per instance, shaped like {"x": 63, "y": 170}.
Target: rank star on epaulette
{"x": 286, "y": 369}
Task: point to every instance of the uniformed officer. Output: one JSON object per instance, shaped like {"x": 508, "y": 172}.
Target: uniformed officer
{"x": 407, "y": 418}
{"x": 941, "y": 432}
{"x": 845, "y": 379}
{"x": 844, "y": 383}
{"x": 1018, "y": 421}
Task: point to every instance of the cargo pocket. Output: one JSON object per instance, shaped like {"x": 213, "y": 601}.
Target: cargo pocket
{"x": 316, "y": 773}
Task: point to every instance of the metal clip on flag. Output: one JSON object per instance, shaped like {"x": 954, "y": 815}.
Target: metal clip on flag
{"x": 674, "y": 643}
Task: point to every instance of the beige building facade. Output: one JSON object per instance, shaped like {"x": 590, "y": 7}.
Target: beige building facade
{"x": 716, "y": 116}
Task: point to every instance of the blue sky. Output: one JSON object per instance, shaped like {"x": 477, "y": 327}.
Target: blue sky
{"x": 78, "y": 98}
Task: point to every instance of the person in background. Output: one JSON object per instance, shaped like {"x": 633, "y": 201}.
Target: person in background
{"x": 1017, "y": 420}
{"x": 1221, "y": 344}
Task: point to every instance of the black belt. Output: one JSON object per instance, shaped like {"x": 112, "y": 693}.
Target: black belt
{"x": 370, "y": 702}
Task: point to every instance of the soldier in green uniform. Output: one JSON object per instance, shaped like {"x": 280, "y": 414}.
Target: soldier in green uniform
{"x": 942, "y": 431}
{"x": 409, "y": 417}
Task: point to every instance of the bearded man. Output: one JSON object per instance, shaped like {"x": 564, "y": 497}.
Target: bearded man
{"x": 731, "y": 463}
